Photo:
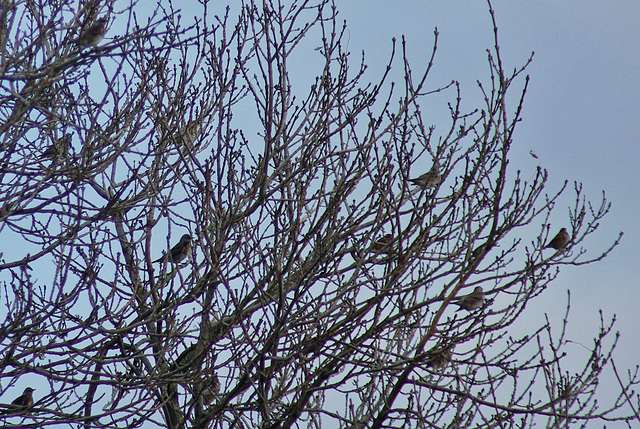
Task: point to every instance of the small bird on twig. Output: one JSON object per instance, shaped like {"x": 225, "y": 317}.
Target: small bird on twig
{"x": 478, "y": 251}
{"x": 188, "y": 134}
{"x": 439, "y": 358}
{"x": 177, "y": 252}
{"x": 93, "y": 34}
{"x": 383, "y": 244}
{"x": 211, "y": 389}
{"x": 559, "y": 241}
{"x": 21, "y": 403}
{"x": 25, "y": 400}
{"x": 429, "y": 179}
{"x": 472, "y": 301}
{"x": 58, "y": 149}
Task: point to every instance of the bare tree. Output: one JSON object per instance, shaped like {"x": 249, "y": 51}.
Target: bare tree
{"x": 315, "y": 284}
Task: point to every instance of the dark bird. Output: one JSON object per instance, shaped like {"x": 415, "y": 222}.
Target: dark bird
{"x": 472, "y": 301}
{"x": 383, "y": 244}
{"x": 177, "y": 252}
{"x": 439, "y": 358}
{"x": 25, "y": 400}
{"x": 559, "y": 241}
{"x": 478, "y": 251}
{"x": 94, "y": 34}
{"x": 429, "y": 179}
{"x": 211, "y": 389}
{"x": 58, "y": 150}
{"x": 188, "y": 134}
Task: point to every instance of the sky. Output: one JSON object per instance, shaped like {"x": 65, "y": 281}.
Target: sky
{"x": 581, "y": 117}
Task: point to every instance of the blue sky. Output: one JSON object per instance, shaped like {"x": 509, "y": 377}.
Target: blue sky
{"x": 581, "y": 118}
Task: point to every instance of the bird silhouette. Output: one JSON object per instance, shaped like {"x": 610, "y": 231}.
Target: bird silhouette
{"x": 58, "y": 149}
{"x": 94, "y": 34}
{"x": 188, "y": 134}
{"x": 21, "y": 403}
{"x": 559, "y": 241}
{"x": 472, "y": 301}
{"x": 25, "y": 400}
{"x": 383, "y": 244}
{"x": 211, "y": 389}
{"x": 478, "y": 251}
{"x": 177, "y": 252}
{"x": 439, "y": 358}
{"x": 429, "y": 179}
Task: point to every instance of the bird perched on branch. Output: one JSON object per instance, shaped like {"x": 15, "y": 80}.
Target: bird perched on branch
{"x": 25, "y": 400}
{"x": 429, "y": 179}
{"x": 472, "y": 301}
{"x": 439, "y": 358}
{"x": 478, "y": 251}
{"x": 58, "y": 149}
{"x": 188, "y": 134}
{"x": 177, "y": 252}
{"x": 559, "y": 241}
{"x": 383, "y": 244}
{"x": 93, "y": 34}
{"x": 22, "y": 402}
{"x": 210, "y": 389}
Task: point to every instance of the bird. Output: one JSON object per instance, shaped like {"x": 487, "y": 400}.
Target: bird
{"x": 439, "y": 358}
{"x": 177, "y": 252}
{"x": 211, "y": 389}
{"x": 472, "y": 301}
{"x": 478, "y": 251}
{"x": 559, "y": 241}
{"x": 25, "y": 400}
{"x": 58, "y": 150}
{"x": 94, "y": 34}
{"x": 188, "y": 134}
{"x": 383, "y": 244}
{"x": 429, "y": 179}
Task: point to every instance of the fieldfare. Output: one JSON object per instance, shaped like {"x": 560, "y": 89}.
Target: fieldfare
{"x": 211, "y": 389}
{"x": 478, "y": 251}
{"x": 429, "y": 179}
{"x": 58, "y": 150}
{"x": 472, "y": 301}
{"x": 25, "y": 400}
{"x": 440, "y": 358}
{"x": 178, "y": 252}
{"x": 559, "y": 241}
{"x": 21, "y": 403}
{"x": 188, "y": 134}
{"x": 383, "y": 244}
{"x": 94, "y": 34}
